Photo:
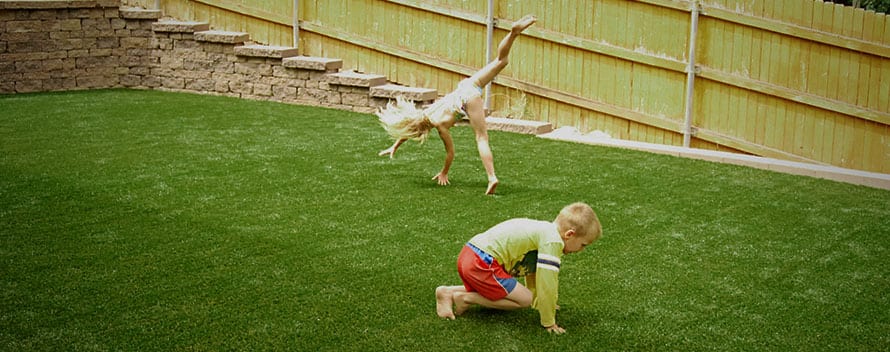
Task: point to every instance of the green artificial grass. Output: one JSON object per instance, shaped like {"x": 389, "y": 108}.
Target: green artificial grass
{"x": 141, "y": 220}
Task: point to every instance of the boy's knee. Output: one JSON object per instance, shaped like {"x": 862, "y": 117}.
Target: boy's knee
{"x": 522, "y": 296}
{"x": 526, "y": 302}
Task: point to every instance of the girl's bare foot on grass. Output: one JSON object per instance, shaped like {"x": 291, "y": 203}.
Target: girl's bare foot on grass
{"x": 492, "y": 184}
{"x": 444, "y": 302}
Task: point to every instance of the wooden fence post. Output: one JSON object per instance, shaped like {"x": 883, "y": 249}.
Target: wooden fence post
{"x": 296, "y": 24}
{"x": 489, "y": 35}
{"x": 690, "y": 76}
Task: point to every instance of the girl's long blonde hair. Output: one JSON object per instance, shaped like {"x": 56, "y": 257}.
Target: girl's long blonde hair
{"x": 403, "y": 120}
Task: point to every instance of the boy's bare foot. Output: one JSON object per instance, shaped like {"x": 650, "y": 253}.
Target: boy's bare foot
{"x": 524, "y": 23}
{"x": 444, "y": 302}
{"x": 492, "y": 184}
{"x": 460, "y": 305}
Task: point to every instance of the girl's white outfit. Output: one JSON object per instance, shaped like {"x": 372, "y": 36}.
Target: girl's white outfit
{"x": 454, "y": 104}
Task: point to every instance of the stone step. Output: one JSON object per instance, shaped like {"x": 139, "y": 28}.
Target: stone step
{"x": 224, "y": 37}
{"x": 180, "y": 26}
{"x": 392, "y": 91}
{"x": 313, "y": 63}
{"x": 518, "y": 126}
{"x": 268, "y": 51}
{"x": 138, "y": 13}
{"x": 355, "y": 79}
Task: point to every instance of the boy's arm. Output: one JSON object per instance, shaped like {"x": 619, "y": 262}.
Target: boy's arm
{"x": 547, "y": 283}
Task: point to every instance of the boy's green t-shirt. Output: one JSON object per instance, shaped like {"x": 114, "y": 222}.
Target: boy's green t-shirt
{"x": 524, "y": 247}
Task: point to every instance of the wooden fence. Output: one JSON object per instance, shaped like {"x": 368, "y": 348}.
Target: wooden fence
{"x": 799, "y": 80}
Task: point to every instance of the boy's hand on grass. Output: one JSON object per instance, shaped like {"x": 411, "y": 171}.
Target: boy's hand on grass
{"x": 555, "y": 329}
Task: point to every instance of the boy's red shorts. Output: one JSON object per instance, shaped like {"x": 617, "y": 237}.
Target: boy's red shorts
{"x": 481, "y": 273}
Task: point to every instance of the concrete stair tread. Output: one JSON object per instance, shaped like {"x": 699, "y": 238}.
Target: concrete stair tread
{"x": 355, "y": 79}
{"x": 269, "y": 51}
{"x": 138, "y": 13}
{"x": 391, "y": 90}
{"x": 216, "y": 36}
{"x": 518, "y": 126}
{"x": 180, "y": 26}
{"x": 313, "y": 63}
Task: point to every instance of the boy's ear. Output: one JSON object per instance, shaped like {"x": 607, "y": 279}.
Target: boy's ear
{"x": 570, "y": 233}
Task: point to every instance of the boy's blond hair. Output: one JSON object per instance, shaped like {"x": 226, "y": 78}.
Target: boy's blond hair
{"x": 403, "y": 120}
{"x": 580, "y": 217}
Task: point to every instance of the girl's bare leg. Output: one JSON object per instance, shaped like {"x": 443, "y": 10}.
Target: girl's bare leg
{"x": 475, "y": 109}
{"x": 487, "y": 73}
{"x": 476, "y": 113}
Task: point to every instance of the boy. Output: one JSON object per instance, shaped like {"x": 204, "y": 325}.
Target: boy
{"x": 489, "y": 262}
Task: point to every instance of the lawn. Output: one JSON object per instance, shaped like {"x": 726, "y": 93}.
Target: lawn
{"x": 156, "y": 221}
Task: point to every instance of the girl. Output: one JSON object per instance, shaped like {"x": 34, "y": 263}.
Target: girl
{"x": 404, "y": 121}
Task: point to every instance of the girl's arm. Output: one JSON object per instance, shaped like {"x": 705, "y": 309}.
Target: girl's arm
{"x": 442, "y": 176}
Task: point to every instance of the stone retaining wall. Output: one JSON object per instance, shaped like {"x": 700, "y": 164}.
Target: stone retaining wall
{"x": 69, "y": 45}
{"x": 51, "y": 46}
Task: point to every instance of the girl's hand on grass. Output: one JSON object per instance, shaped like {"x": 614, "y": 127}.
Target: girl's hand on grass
{"x": 388, "y": 151}
{"x": 556, "y": 329}
{"x": 441, "y": 178}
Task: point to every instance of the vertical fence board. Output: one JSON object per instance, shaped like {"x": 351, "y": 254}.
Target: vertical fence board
{"x": 827, "y": 137}
{"x": 724, "y": 122}
{"x": 881, "y": 146}
{"x": 884, "y": 84}
{"x": 884, "y": 148}
{"x": 858, "y": 23}
{"x": 762, "y": 119}
{"x": 802, "y": 132}
{"x": 839, "y": 149}
{"x": 852, "y": 151}
{"x": 776, "y": 127}
{"x": 886, "y": 25}
{"x": 865, "y": 83}
{"x": 576, "y": 71}
{"x": 871, "y": 143}
{"x": 820, "y": 124}
{"x": 769, "y": 125}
